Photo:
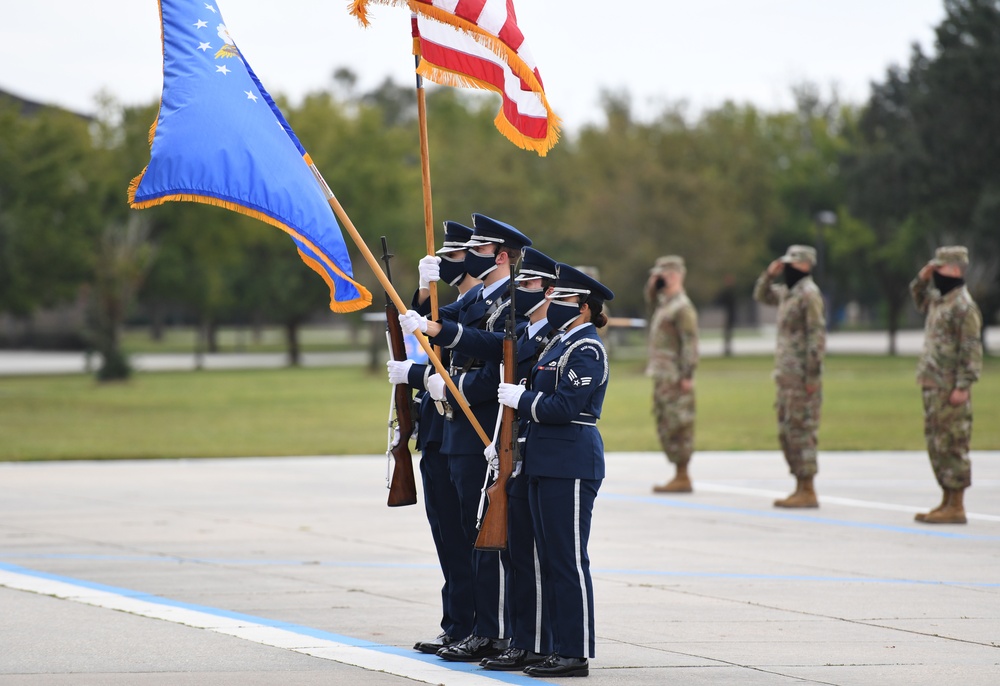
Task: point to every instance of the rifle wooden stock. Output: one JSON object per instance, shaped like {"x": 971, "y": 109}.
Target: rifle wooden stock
{"x": 402, "y": 487}
{"x": 493, "y": 528}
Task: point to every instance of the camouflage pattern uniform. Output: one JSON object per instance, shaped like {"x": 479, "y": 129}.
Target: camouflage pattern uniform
{"x": 673, "y": 356}
{"x": 798, "y": 362}
{"x": 952, "y": 359}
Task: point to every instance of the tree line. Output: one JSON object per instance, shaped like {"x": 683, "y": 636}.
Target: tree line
{"x": 874, "y": 186}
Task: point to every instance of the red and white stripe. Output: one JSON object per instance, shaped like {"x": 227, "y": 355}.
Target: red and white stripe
{"x": 450, "y": 52}
{"x": 477, "y": 44}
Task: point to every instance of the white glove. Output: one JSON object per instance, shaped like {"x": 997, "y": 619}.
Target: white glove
{"x": 492, "y": 459}
{"x": 435, "y": 386}
{"x": 411, "y": 321}
{"x": 429, "y": 268}
{"x": 509, "y": 394}
{"x": 398, "y": 371}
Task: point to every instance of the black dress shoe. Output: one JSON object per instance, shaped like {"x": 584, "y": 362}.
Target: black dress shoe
{"x": 512, "y": 659}
{"x": 473, "y": 649}
{"x": 555, "y": 665}
{"x": 430, "y": 647}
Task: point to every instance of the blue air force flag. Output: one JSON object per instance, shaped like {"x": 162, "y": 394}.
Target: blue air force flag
{"x": 219, "y": 139}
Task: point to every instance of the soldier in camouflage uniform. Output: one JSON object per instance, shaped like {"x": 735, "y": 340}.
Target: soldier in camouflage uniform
{"x": 673, "y": 356}
{"x": 951, "y": 362}
{"x": 798, "y": 364}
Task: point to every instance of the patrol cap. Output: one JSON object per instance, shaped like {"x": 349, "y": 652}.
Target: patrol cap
{"x": 800, "y": 253}
{"x": 535, "y": 265}
{"x": 455, "y": 237}
{"x": 572, "y": 281}
{"x": 488, "y": 230}
{"x": 951, "y": 254}
{"x": 668, "y": 262}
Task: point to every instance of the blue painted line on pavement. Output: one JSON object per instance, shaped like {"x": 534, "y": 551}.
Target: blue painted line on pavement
{"x": 926, "y": 530}
{"x": 505, "y": 677}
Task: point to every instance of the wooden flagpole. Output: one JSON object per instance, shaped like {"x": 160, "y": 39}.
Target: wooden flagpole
{"x": 425, "y": 160}
{"x": 398, "y": 302}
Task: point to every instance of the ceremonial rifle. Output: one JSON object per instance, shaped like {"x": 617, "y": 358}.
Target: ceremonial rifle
{"x": 493, "y": 529}
{"x": 402, "y": 487}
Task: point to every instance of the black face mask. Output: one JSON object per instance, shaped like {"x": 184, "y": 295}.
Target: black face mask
{"x": 793, "y": 275}
{"x": 478, "y": 266}
{"x": 946, "y": 284}
{"x": 660, "y": 283}
{"x": 527, "y": 300}
{"x": 452, "y": 271}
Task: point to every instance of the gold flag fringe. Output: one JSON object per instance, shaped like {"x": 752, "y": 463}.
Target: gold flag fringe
{"x": 365, "y": 296}
{"x": 446, "y": 77}
{"x": 359, "y": 8}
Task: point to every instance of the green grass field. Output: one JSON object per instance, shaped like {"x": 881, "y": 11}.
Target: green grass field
{"x": 870, "y": 403}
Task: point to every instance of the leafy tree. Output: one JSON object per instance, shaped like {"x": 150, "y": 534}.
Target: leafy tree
{"x": 954, "y": 99}
{"x": 48, "y": 219}
{"x": 923, "y": 165}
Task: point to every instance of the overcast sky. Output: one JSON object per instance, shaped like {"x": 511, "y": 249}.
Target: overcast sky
{"x": 704, "y": 52}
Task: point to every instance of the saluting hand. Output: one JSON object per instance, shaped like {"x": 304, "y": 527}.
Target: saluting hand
{"x": 776, "y": 267}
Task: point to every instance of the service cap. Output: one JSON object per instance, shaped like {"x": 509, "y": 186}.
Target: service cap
{"x": 800, "y": 253}
{"x": 572, "y": 281}
{"x": 668, "y": 262}
{"x": 535, "y": 265}
{"x": 951, "y": 254}
{"x": 489, "y": 230}
{"x": 455, "y": 237}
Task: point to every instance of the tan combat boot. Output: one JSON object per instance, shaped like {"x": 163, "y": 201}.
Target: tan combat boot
{"x": 922, "y": 516}
{"x": 681, "y": 483}
{"x": 952, "y": 513}
{"x": 804, "y": 495}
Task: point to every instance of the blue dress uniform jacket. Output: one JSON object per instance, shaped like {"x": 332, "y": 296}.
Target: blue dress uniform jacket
{"x": 564, "y": 404}
{"x": 473, "y": 339}
{"x": 564, "y": 463}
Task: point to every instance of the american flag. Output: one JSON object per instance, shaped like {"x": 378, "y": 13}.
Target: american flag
{"x": 477, "y": 44}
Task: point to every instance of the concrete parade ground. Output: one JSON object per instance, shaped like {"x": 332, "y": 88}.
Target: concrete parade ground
{"x": 293, "y": 571}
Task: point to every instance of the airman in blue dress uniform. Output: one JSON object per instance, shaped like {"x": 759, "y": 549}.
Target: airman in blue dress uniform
{"x": 491, "y": 250}
{"x": 531, "y": 638}
{"x": 564, "y": 462}
{"x": 440, "y": 497}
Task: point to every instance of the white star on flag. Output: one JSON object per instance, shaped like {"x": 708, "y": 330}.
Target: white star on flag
{"x": 222, "y": 69}
{"x": 204, "y": 46}
{"x": 251, "y": 96}
{"x": 210, "y": 8}
{"x": 201, "y": 24}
